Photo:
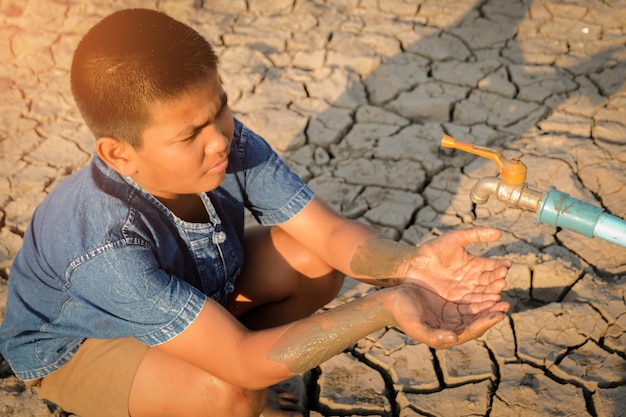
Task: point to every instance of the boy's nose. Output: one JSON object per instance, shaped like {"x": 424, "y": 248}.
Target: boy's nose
{"x": 217, "y": 143}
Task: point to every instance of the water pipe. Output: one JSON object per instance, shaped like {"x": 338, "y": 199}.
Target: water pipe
{"x": 552, "y": 207}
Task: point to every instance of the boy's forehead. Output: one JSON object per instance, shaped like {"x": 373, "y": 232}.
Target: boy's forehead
{"x": 211, "y": 84}
{"x": 198, "y": 105}
{"x": 209, "y": 90}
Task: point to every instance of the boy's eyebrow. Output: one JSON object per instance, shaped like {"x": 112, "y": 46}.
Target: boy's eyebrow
{"x": 195, "y": 130}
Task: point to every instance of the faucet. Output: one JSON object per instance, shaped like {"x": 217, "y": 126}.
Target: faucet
{"x": 552, "y": 207}
{"x": 510, "y": 188}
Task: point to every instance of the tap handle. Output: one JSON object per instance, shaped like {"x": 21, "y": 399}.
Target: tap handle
{"x": 495, "y": 156}
{"x": 513, "y": 171}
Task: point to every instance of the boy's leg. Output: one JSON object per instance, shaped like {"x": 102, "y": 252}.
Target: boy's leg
{"x": 165, "y": 386}
{"x": 122, "y": 377}
{"x": 281, "y": 281}
{"x": 97, "y": 379}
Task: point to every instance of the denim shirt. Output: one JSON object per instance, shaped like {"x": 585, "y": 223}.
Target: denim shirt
{"x": 104, "y": 259}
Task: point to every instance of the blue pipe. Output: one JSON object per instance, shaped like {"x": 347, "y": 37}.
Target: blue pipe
{"x": 559, "y": 209}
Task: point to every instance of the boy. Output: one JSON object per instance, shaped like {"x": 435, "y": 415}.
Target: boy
{"x": 138, "y": 292}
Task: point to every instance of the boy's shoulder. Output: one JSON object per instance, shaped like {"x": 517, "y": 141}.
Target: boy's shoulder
{"x": 89, "y": 209}
{"x": 95, "y": 198}
{"x": 88, "y": 186}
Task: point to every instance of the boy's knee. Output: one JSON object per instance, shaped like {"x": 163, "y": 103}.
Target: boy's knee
{"x": 335, "y": 284}
{"x": 244, "y": 403}
{"x": 215, "y": 397}
{"x": 321, "y": 291}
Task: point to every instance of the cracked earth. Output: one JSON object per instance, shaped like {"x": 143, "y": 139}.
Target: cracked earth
{"x": 355, "y": 95}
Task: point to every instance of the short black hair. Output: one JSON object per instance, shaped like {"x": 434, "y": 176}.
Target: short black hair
{"x": 131, "y": 60}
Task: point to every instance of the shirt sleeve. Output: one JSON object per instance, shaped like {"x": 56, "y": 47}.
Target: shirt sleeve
{"x": 120, "y": 291}
{"x": 275, "y": 193}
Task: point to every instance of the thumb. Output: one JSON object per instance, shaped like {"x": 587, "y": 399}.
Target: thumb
{"x": 476, "y": 234}
{"x": 443, "y": 338}
{"x": 487, "y": 234}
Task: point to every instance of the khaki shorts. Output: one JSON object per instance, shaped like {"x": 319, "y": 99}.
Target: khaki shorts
{"x": 96, "y": 382}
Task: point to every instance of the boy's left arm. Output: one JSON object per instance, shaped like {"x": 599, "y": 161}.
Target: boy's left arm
{"x": 441, "y": 265}
{"x": 332, "y": 237}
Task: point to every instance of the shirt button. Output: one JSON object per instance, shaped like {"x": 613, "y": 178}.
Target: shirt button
{"x": 219, "y": 237}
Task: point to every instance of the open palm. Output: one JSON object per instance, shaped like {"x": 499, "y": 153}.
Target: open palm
{"x": 444, "y": 267}
{"x": 440, "y": 323}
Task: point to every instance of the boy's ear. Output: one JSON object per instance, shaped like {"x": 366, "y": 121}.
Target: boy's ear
{"x": 117, "y": 154}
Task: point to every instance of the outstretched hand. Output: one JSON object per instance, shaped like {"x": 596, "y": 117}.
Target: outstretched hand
{"x": 444, "y": 295}
{"x": 443, "y": 267}
{"x": 439, "y": 323}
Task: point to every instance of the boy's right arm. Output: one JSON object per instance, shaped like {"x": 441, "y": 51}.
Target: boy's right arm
{"x": 219, "y": 344}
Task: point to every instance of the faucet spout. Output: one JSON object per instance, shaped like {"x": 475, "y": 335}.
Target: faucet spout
{"x": 484, "y": 188}
{"x": 517, "y": 196}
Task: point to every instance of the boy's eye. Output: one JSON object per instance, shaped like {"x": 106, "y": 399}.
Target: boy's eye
{"x": 199, "y": 129}
{"x": 193, "y": 135}
{"x": 190, "y": 138}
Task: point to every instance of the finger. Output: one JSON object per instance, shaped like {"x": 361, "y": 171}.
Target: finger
{"x": 492, "y": 285}
{"x": 484, "y": 307}
{"x": 498, "y": 267}
{"x": 433, "y": 335}
{"x": 482, "y": 323}
{"x": 501, "y": 307}
{"x": 479, "y": 287}
{"x": 495, "y": 287}
{"x": 487, "y": 234}
{"x": 477, "y": 307}
{"x": 477, "y": 297}
{"x": 488, "y": 276}
{"x": 476, "y": 234}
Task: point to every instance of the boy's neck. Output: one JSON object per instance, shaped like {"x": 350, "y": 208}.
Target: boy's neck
{"x": 187, "y": 207}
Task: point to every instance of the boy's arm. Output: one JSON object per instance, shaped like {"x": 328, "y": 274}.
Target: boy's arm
{"x": 442, "y": 264}
{"x": 333, "y": 238}
{"x": 449, "y": 306}
{"x": 217, "y": 343}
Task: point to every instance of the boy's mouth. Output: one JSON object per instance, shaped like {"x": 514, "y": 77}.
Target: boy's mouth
{"x": 219, "y": 167}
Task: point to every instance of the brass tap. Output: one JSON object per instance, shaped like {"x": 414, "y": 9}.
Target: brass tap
{"x": 510, "y": 188}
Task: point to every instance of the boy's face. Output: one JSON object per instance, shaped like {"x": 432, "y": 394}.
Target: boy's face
{"x": 185, "y": 146}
